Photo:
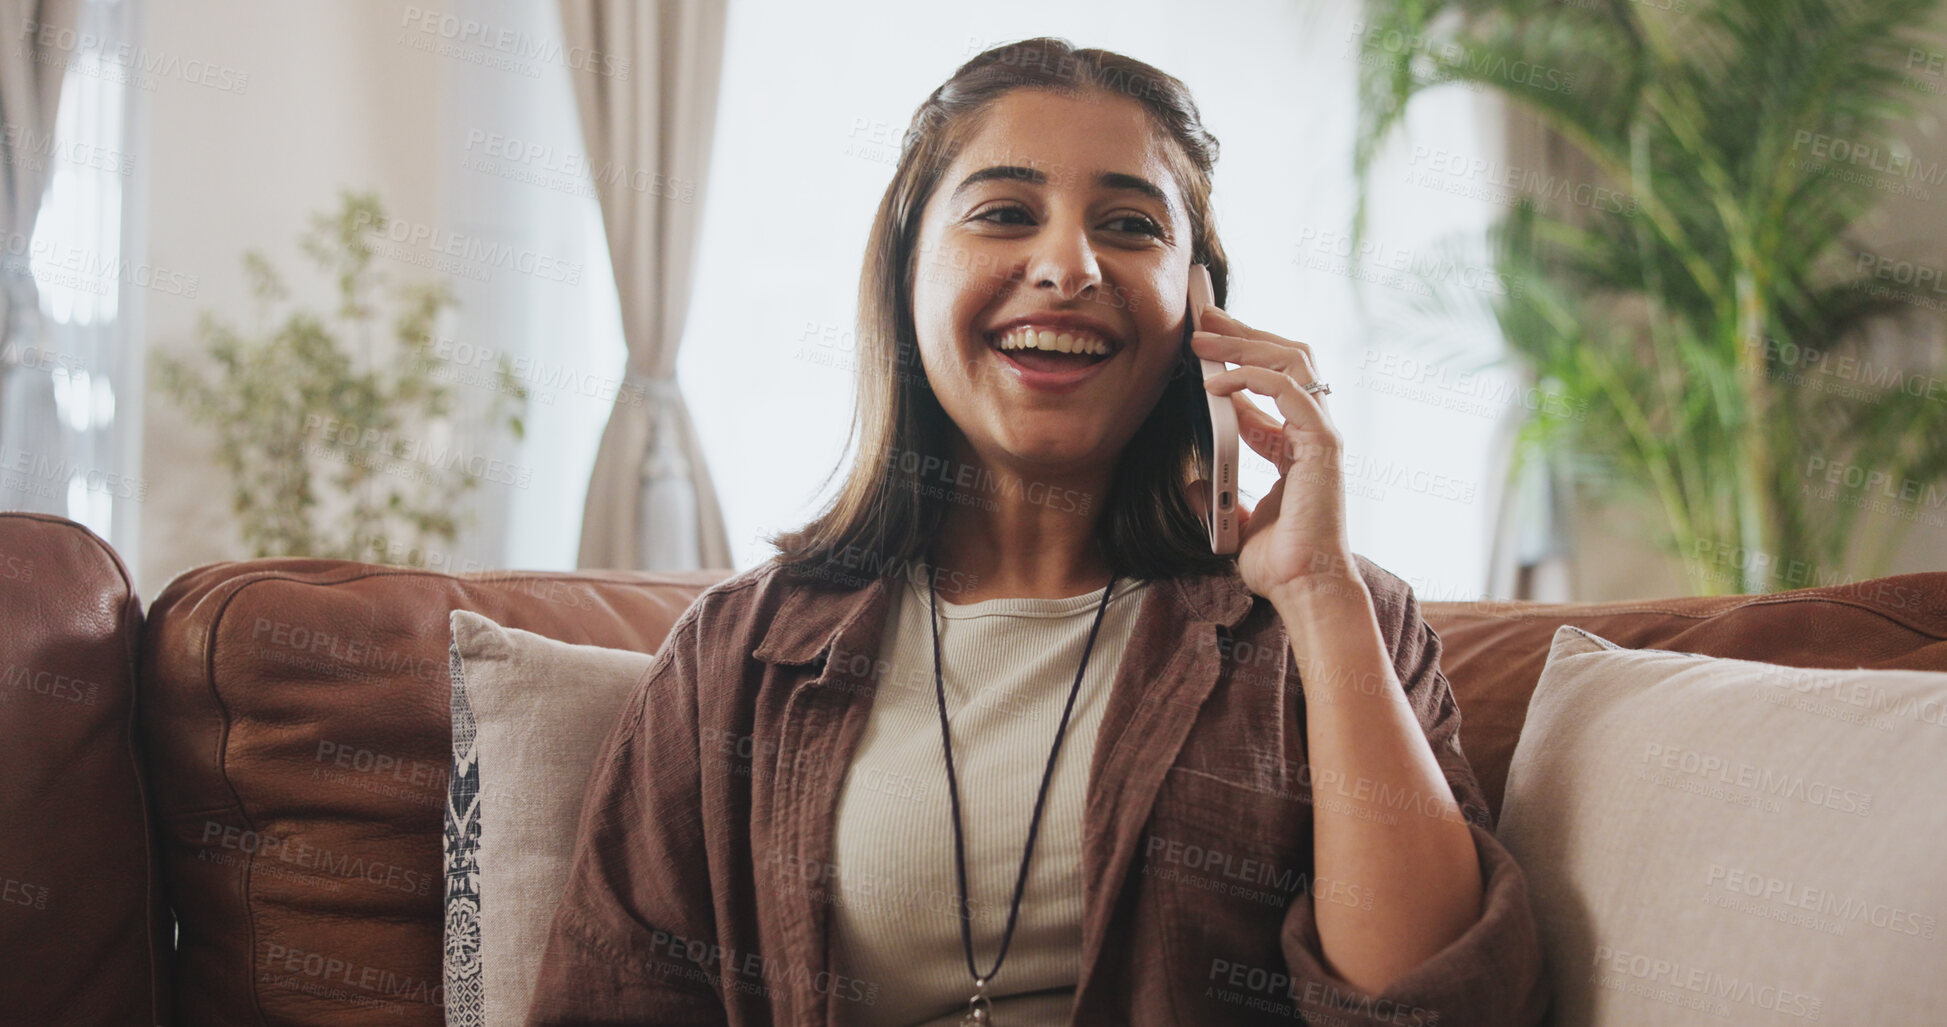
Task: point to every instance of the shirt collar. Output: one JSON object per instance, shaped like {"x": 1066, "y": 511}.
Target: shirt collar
{"x": 814, "y": 613}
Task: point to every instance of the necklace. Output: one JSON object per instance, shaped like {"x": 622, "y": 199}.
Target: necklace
{"x": 979, "y": 1008}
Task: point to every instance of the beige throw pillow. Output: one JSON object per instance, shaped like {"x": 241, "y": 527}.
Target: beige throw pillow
{"x": 1712, "y": 841}
{"x": 539, "y": 711}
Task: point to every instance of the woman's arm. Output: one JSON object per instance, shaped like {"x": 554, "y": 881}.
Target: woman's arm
{"x": 1393, "y": 827}
{"x": 1450, "y": 934}
{"x": 639, "y": 898}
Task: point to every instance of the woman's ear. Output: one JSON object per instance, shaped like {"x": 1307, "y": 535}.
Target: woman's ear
{"x": 1199, "y": 496}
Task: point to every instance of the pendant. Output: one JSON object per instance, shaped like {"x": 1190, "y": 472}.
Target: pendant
{"x": 980, "y": 1012}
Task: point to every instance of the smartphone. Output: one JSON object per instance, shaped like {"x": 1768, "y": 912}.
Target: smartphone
{"x": 1217, "y": 432}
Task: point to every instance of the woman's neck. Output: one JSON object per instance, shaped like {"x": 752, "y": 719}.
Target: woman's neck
{"x": 1020, "y": 551}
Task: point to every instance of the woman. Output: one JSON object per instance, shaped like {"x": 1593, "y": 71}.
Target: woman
{"x": 997, "y": 738}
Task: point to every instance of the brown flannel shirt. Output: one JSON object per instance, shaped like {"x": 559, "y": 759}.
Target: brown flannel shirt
{"x": 703, "y": 870}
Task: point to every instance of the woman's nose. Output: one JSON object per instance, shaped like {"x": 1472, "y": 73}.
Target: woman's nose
{"x": 1064, "y": 259}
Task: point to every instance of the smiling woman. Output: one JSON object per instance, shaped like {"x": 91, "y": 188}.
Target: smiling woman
{"x": 1040, "y": 188}
{"x": 1051, "y": 799}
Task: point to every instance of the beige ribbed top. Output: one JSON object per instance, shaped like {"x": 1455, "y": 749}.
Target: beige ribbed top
{"x": 1007, "y": 665}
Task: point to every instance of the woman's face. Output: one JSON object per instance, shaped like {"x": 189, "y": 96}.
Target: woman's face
{"x": 1060, "y": 214}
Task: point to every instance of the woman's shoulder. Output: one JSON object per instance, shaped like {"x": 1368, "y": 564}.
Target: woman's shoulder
{"x": 768, "y": 603}
{"x": 720, "y": 604}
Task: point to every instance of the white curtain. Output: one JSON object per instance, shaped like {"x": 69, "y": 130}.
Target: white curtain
{"x": 30, "y": 97}
{"x": 648, "y": 100}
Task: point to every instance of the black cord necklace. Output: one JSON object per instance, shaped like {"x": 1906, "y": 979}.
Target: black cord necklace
{"x": 979, "y": 1008}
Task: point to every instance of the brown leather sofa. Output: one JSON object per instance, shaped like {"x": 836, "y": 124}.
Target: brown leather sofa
{"x": 259, "y": 770}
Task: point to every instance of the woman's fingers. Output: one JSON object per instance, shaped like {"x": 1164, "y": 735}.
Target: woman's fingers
{"x": 1261, "y": 432}
{"x": 1269, "y": 365}
{"x": 1301, "y": 409}
{"x": 1216, "y": 320}
{"x": 1292, "y": 358}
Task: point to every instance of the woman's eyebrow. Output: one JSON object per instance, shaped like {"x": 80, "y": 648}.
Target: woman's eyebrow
{"x": 1108, "y": 180}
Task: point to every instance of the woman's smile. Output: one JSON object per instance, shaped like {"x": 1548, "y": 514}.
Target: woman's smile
{"x": 1054, "y": 352}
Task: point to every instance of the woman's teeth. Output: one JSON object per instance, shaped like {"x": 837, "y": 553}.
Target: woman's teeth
{"x": 1054, "y": 342}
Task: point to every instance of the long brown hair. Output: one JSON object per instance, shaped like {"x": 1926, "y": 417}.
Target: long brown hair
{"x": 884, "y": 519}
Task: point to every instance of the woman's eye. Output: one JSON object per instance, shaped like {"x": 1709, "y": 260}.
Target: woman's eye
{"x": 1128, "y": 223}
{"x": 1144, "y": 225}
{"x": 990, "y": 214}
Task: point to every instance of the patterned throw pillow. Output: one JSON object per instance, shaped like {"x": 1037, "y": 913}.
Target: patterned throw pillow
{"x": 465, "y": 1006}
{"x": 530, "y": 716}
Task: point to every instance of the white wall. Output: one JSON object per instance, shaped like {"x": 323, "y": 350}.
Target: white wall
{"x": 375, "y": 96}
{"x": 325, "y": 105}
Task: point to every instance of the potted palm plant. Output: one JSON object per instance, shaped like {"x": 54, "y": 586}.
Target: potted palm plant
{"x": 1720, "y": 337}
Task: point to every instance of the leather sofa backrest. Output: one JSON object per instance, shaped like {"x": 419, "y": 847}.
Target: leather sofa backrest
{"x": 82, "y": 928}
{"x": 297, "y": 717}
{"x": 1493, "y": 652}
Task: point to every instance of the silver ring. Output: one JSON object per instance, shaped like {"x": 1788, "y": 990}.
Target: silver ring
{"x": 1318, "y": 388}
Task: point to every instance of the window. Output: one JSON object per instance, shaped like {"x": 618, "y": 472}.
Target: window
{"x": 67, "y": 434}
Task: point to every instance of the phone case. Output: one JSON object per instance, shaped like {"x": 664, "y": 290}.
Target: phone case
{"x": 1222, "y": 517}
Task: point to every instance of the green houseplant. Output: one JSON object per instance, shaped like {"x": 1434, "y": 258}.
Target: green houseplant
{"x": 330, "y": 455}
{"x": 1714, "y": 335}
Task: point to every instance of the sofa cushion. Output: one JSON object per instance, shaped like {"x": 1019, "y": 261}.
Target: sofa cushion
{"x": 83, "y": 932}
{"x": 1713, "y": 841}
{"x": 1492, "y": 652}
{"x": 297, "y": 713}
{"x": 518, "y": 800}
